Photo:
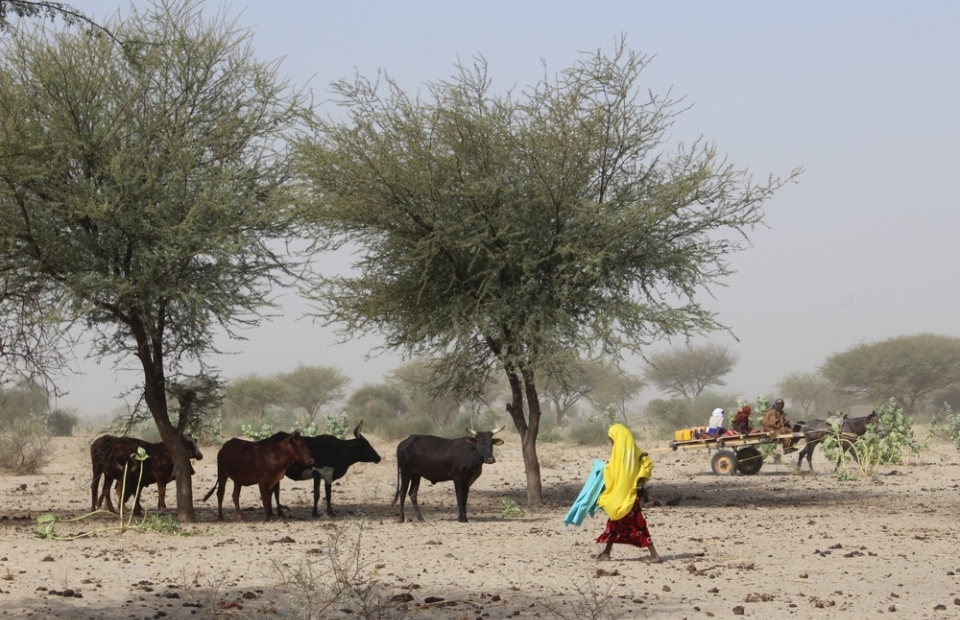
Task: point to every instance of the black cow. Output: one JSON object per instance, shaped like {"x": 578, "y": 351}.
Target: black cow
{"x": 332, "y": 457}
{"x": 438, "y": 460}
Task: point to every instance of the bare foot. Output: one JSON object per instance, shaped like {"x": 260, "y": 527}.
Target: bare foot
{"x": 652, "y": 560}
{"x": 603, "y": 557}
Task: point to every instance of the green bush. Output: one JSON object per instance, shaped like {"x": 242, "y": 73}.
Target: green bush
{"x": 337, "y": 425}
{"x": 401, "y": 428}
{"x": 25, "y": 445}
{"x": 592, "y": 429}
{"x": 61, "y": 423}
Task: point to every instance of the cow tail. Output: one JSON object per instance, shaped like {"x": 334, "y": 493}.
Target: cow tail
{"x": 210, "y": 492}
{"x": 396, "y": 495}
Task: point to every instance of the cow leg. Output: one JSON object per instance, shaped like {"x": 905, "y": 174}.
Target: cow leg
{"x": 266, "y": 494}
{"x": 95, "y": 490}
{"x": 328, "y": 487}
{"x": 161, "y": 496}
{"x": 414, "y": 488}
{"x": 402, "y": 494}
{"x": 221, "y": 489}
{"x": 107, "y": 483}
{"x": 276, "y": 497}
{"x": 316, "y": 493}
{"x": 236, "y": 500}
{"x": 137, "y": 508}
{"x": 461, "y": 488}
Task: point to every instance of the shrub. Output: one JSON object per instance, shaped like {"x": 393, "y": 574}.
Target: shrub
{"x": 61, "y": 423}
{"x": 592, "y": 430}
{"x": 337, "y": 425}
{"x": 25, "y": 445}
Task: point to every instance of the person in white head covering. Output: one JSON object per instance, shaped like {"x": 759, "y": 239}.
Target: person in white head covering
{"x": 716, "y": 423}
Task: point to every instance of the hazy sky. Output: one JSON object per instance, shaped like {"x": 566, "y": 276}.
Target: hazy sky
{"x": 865, "y": 96}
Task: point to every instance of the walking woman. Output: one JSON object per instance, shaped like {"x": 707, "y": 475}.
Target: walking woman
{"x": 624, "y": 477}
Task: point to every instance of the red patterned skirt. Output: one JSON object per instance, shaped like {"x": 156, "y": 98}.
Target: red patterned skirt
{"x": 630, "y": 530}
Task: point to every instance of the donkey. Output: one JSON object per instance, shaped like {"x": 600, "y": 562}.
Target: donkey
{"x": 851, "y": 430}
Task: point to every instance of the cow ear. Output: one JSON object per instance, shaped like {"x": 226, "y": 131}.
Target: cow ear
{"x": 470, "y": 439}
{"x": 497, "y": 441}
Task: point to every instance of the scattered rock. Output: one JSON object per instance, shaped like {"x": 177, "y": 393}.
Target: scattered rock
{"x": 285, "y": 540}
{"x": 48, "y": 558}
{"x": 433, "y": 599}
{"x": 605, "y": 573}
{"x": 403, "y": 597}
{"x": 738, "y": 610}
{"x": 666, "y": 588}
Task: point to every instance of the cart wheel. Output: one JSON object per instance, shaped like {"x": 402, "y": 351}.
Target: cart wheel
{"x": 749, "y": 460}
{"x": 724, "y": 463}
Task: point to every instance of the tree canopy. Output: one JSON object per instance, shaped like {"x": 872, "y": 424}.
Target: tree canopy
{"x": 805, "y": 388}
{"x": 310, "y": 388}
{"x": 514, "y": 233}
{"x": 143, "y": 185}
{"x": 687, "y": 371}
{"x": 908, "y": 368}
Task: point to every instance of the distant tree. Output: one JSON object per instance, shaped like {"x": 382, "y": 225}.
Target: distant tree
{"x": 423, "y": 388}
{"x": 804, "y": 388}
{"x": 145, "y": 185}
{"x": 22, "y": 400}
{"x": 568, "y": 386}
{"x": 617, "y": 388}
{"x": 376, "y": 404}
{"x": 310, "y": 388}
{"x": 249, "y": 397}
{"x": 907, "y": 368}
{"x": 512, "y": 234}
{"x": 686, "y": 371}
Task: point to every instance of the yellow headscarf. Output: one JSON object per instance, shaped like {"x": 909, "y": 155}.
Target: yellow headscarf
{"x": 622, "y": 473}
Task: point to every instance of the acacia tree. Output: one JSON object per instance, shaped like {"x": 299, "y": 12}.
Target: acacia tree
{"x": 687, "y": 371}
{"x": 515, "y": 235}
{"x": 907, "y": 368}
{"x": 804, "y": 388}
{"x": 311, "y": 388}
{"x": 143, "y": 184}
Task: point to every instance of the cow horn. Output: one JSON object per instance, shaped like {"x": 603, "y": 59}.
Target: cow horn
{"x": 356, "y": 431}
{"x": 472, "y": 432}
{"x": 494, "y": 432}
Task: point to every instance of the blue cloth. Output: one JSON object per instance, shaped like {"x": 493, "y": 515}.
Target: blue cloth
{"x": 586, "y": 502}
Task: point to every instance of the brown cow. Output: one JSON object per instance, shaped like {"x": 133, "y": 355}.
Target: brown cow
{"x": 256, "y": 462}
{"x": 109, "y": 455}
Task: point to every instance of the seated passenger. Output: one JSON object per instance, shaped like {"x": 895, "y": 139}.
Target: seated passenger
{"x": 741, "y": 421}
{"x": 715, "y": 427}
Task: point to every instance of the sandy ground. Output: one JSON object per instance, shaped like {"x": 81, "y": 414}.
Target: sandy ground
{"x": 773, "y": 545}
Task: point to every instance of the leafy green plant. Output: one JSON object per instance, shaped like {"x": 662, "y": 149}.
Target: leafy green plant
{"x": 337, "y": 425}
{"x": 267, "y": 429}
{"x": 951, "y": 425}
{"x": 510, "y": 509}
{"x": 45, "y": 527}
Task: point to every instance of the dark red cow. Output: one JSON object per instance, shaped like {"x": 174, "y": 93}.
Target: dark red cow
{"x": 109, "y": 455}
{"x": 256, "y": 462}
{"x": 438, "y": 459}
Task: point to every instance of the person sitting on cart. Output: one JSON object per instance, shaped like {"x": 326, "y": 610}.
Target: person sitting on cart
{"x": 715, "y": 427}
{"x": 775, "y": 421}
{"x": 741, "y": 421}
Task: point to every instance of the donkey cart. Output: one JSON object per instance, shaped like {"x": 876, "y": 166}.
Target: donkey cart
{"x": 734, "y": 453}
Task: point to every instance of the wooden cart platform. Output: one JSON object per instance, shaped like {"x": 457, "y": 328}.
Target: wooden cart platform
{"x": 735, "y": 453}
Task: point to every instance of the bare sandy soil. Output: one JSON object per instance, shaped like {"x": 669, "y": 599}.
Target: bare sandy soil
{"x": 774, "y": 545}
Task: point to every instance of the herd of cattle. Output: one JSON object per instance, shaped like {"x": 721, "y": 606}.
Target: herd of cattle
{"x": 264, "y": 463}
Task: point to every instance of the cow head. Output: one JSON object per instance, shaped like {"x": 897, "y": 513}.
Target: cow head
{"x": 193, "y": 450}
{"x": 484, "y": 442}
{"x": 364, "y": 452}
{"x": 298, "y": 448}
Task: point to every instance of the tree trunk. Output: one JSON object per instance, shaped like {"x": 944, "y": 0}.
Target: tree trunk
{"x": 528, "y": 432}
{"x": 150, "y": 353}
